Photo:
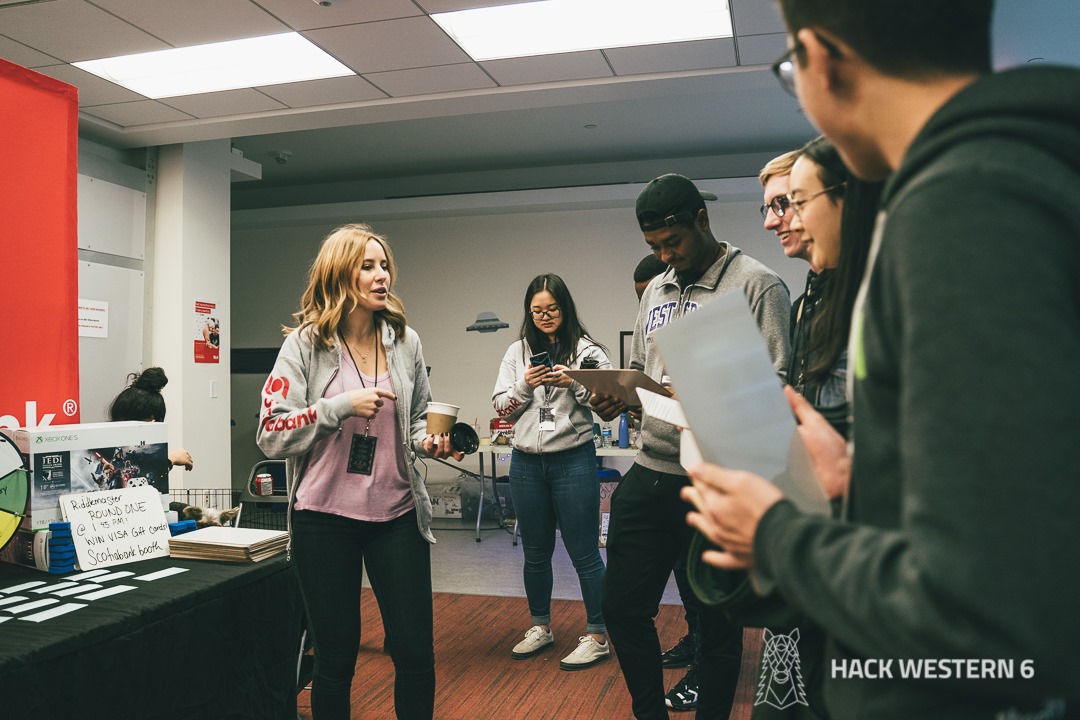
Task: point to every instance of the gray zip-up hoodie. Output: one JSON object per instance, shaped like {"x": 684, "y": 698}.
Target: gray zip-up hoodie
{"x": 515, "y": 400}
{"x": 663, "y": 302}
{"x": 295, "y": 414}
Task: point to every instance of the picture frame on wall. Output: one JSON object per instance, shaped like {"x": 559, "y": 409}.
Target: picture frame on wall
{"x": 626, "y": 340}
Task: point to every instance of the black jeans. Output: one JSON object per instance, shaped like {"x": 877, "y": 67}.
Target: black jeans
{"x": 648, "y": 531}
{"x": 329, "y": 552}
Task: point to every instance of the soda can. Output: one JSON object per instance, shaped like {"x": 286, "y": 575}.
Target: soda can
{"x": 264, "y": 484}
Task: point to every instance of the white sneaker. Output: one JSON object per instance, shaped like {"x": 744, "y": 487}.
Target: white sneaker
{"x": 586, "y": 654}
{"x": 536, "y": 639}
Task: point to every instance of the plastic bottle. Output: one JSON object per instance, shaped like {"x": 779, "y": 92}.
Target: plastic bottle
{"x": 624, "y": 432}
{"x": 607, "y": 435}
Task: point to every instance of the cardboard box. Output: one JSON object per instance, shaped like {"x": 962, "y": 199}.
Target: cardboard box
{"x": 502, "y": 432}
{"x": 445, "y": 501}
{"x": 88, "y": 457}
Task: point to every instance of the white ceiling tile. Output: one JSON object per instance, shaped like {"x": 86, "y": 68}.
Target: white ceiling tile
{"x": 673, "y": 57}
{"x": 756, "y": 17}
{"x": 142, "y": 112}
{"x": 74, "y": 30}
{"x": 196, "y": 22}
{"x": 308, "y": 15}
{"x": 92, "y": 89}
{"x": 437, "y": 6}
{"x": 548, "y": 68}
{"x": 424, "y": 81}
{"x": 328, "y": 91}
{"x": 761, "y": 49}
{"x": 229, "y": 102}
{"x": 389, "y": 45}
{"x": 23, "y": 55}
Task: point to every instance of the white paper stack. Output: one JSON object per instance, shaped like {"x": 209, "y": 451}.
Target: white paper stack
{"x": 229, "y": 544}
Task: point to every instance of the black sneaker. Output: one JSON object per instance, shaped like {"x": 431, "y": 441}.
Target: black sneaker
{"x": 684, "y": 695}
{"x": 681, "y": 655}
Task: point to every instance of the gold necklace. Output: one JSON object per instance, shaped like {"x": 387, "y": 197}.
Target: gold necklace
{"x": 364, "y": 356}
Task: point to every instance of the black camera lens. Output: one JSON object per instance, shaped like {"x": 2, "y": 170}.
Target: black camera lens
{"x": 464, "y": 439}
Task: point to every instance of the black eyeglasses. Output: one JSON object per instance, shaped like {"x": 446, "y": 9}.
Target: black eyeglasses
{"x": 550, "y": 313}
{"x": 797, "y": 205}
{"x": 779, "y": 205}
{"x": 784, "y": 70}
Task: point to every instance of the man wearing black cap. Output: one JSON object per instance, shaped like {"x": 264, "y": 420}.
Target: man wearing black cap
{"x": 648, "y": 528}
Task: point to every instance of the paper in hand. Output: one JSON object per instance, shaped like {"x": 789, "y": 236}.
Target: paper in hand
{"x": 670, "y": 411}
{"x": 733, "y": 400}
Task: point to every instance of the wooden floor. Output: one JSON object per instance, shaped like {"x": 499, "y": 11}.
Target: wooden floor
{"x": 476, "y": 678}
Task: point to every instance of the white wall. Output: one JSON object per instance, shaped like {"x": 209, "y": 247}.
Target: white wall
{"x": 460, "y": 262}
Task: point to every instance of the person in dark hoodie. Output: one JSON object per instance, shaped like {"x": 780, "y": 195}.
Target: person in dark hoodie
{"x": 962, "y": 494}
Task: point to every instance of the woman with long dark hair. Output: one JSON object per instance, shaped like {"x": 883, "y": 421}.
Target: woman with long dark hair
{"x": 553, "y": 474}
{"x": 835, "y": 213}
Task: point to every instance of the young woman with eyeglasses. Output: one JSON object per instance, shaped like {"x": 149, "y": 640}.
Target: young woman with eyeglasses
{"x": 834, "y": 212}
{"x": 553, "y": 478}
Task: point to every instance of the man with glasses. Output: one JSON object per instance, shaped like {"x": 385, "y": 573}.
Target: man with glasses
{"x": 777, "y": 212}
{"x": 648, "y": 529}
{"x": 964, "y": 344}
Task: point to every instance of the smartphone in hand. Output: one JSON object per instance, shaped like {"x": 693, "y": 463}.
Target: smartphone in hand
{"x": 542, "y": 358}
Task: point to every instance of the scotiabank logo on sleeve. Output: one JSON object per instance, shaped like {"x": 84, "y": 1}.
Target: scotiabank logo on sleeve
{"x": 276, "y": 390}
{"x": 289, "y": 422}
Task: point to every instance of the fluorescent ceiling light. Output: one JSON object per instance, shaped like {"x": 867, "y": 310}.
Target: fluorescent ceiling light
{"x": 559, "y": 26}
{"x": 268, "y": 60}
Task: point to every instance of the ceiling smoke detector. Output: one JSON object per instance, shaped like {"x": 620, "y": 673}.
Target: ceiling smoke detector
{"x": 323, "y": 3}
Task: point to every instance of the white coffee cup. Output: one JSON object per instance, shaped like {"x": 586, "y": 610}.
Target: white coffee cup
{"x": 441, "y": 417}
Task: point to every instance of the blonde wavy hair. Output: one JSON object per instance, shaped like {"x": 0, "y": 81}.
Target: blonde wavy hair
{"x": 332, "y": 290}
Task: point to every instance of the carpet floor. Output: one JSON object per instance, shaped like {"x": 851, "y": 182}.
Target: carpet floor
{"x": 476, "y": 679}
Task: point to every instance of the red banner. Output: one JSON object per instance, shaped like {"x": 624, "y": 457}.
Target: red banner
{"x": 39, "y": 356}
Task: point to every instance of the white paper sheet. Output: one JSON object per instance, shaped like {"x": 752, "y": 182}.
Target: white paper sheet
{"x": 721, "y": 372}
{"x": 670, "y": 411}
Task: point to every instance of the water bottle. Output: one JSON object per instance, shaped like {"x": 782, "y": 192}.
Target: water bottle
{"x": 607, "y": 435}
{"x": 624, "y": 432}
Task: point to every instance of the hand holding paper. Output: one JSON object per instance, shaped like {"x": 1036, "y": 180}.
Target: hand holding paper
{"x": 730, "y": 505}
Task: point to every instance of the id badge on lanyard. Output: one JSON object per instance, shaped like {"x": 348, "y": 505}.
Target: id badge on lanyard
{"x": 362, "y": 452}
{"x": 547, "y": 419}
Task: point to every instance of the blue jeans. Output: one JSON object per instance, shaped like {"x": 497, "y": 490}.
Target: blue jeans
{"x": 563, "y": 488}
{"x": 329, "y": 552}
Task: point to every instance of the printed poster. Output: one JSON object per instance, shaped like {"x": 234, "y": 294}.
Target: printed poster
{"x": 207, "y": 331}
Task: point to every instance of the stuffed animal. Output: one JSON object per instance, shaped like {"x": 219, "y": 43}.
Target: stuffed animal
{"x": 205, "y": 517}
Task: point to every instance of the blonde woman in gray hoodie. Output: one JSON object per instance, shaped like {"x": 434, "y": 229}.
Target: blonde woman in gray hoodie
{"x": 553, "y": 477}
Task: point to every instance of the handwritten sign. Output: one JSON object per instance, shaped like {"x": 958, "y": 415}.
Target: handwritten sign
{"x": 113, "y": 527}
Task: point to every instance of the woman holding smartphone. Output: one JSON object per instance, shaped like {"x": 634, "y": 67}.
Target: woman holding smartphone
{"x": 553, "y": 478}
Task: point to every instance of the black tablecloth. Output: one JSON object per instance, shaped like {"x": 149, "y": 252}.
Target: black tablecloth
{"x": 218, "y": 641}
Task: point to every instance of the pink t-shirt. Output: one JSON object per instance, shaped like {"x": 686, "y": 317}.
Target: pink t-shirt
{"x": 328, "y": 487}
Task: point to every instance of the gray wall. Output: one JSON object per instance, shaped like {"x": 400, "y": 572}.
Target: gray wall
{"x": 456, "y": 264}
